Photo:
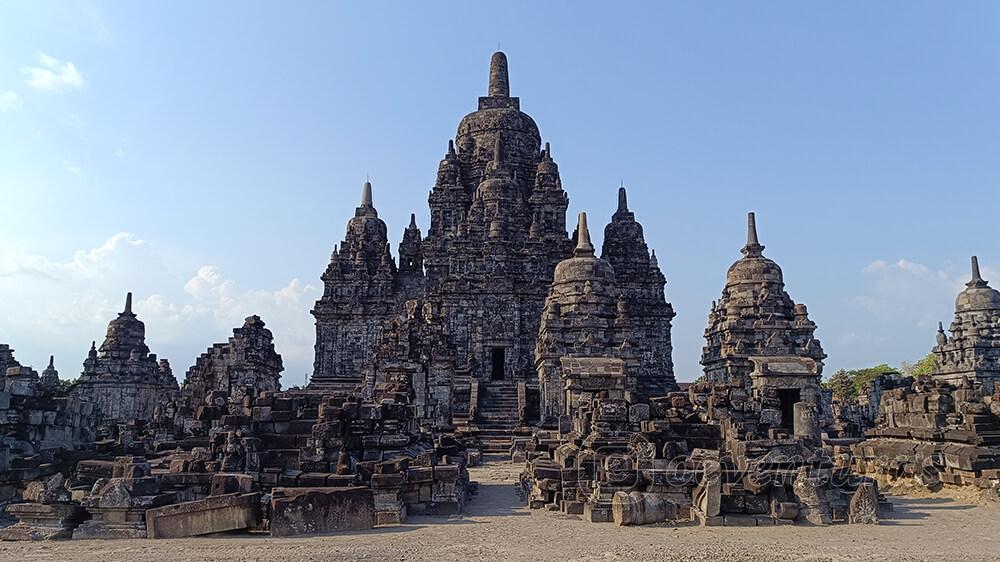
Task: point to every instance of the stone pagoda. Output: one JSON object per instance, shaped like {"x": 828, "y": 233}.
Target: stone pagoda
{"x": 973, "y": 349}
{"x": 590, "y": 315}
{"x": 358, "y": 294}
{"x": 641, "y": 283}
{"x": 122, "y": 379}
{"x": 50, "y": 376}
{"x": 756, "y": 319}
{"x": 459, "y": 316}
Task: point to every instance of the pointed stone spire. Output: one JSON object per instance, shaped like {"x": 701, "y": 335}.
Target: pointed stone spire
{"x": 499, "y": 82}
{"x": 753, "y": 247}
{"x": 128, "y": 304}
{"x": 977, "y": 278}
{"x": 652, "y": 260}
{"x": 548, "y": 151}
{"x": 366, "y": 195}
{"x": 52, "y": 362}
{"x": 622, "y": 199}
{"x": 413, "y": 221}
{"x": 451, "y": 147}
{"x": 583, "y": 246}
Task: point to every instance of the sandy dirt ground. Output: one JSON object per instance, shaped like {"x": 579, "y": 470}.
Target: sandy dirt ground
{"x": 497, "y": 527}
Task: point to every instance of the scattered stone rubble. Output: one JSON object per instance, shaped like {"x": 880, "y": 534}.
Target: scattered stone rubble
{"x": 936, "y": 434}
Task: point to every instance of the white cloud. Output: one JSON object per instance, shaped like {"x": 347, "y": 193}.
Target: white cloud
{"x": 894, "y": 316}
{"x": 53, "y": 75}
{"x": 913, "y": 292}
{"x": 54, "y": 306}
{"x": 9, "y": 101}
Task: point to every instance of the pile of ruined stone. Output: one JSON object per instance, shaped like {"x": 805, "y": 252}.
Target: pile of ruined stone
{"x": 717, "y": 454}
{"x": 938, "y": 434}
{"x": 289, "y": 462}
{"x": 40, "y": 427}
{"x": 230, "y": 452}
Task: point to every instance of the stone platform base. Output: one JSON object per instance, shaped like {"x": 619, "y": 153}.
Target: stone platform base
{"x": 41, "y": 522}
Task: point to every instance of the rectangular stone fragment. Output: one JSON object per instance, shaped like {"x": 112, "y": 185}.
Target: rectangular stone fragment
{"x": 214, "y": 514}
{"x": 306, "y": 511}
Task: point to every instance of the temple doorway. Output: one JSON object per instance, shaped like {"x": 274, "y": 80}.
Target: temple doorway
{"x": 497, "y": 366}
{"x": 788, "y": 397}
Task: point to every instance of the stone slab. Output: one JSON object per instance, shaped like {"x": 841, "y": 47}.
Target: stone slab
{"x": 306, "y": 511}
{"x": 214, "y": 514}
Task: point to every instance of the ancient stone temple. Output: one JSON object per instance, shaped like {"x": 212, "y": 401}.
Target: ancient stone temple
{"x": 122, "y": 379}
{"x": 755, "y": 318}
{"x": 479, "y": 278}
{"x": 973, "y": 349}
{"x": 246, "y": 364}
{"x": 359, "y": 292}
{"x": 50, "y": 376}
{"x": 590, "y": 328}
{"x": 649, "y": 315}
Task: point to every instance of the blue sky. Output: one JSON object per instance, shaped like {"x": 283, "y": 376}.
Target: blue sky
{"x": 207, "y": 155}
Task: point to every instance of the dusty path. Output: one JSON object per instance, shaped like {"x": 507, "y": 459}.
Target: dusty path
{"x": 496, "y": 527}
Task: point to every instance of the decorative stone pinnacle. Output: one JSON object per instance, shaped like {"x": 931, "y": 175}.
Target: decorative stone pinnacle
{"x": 498, "y": 151}
{"x": 413, "y": 220}
{"x": 548, "y": 151}
{"x": 52, "y": 361}
{"x": 499, "y": 81}
{"x": 583, "y": 245}
{"x": 451, "y": 147}
{"x": 940, "y": 327}
{"x": 622, "y": 199}
{"x": 753, "y": 247}
{"x": 128, "y": 304}
{"x": 977, "y": 278}
{"x": 366, "y": 195}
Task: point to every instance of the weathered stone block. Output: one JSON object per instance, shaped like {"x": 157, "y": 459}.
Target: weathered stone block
{"x": 214, "y": 514}
{"x": 303, "y": 511}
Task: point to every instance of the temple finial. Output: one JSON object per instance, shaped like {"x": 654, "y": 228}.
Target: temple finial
{"x": 451, "y": 147}
{"x": 977, "y": 278}
{"x": 499, "y": 82}
{"x": 583, "y": 245}
{"x": 128, "y": 304}
{"x": 622, "y": 199}
{"x": 366, "y": 195}
{"x": 753, "y": 247}
{"x": 548, "y": 151}
{"x": 413, "y": 220}
{"x": 52, "y": 361}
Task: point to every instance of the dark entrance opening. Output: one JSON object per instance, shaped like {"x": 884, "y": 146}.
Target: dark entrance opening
{"x": 497, "y": 363}
{"x": 788, "y": 397}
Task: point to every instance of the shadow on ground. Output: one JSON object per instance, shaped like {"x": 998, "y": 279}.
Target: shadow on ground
{"x": 914, "y": 509}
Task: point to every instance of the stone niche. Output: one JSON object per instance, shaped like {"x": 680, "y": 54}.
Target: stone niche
{"x": 788, "y": 389}
{"x": 585, "y": 376}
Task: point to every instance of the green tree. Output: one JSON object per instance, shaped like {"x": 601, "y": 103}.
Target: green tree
{"x": 842, "y": 385}
{"x": 864, "y": 376}
{"x": 922, "y": 368}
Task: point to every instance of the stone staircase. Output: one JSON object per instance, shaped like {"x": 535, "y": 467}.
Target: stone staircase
{"x": 496, "y": 417}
